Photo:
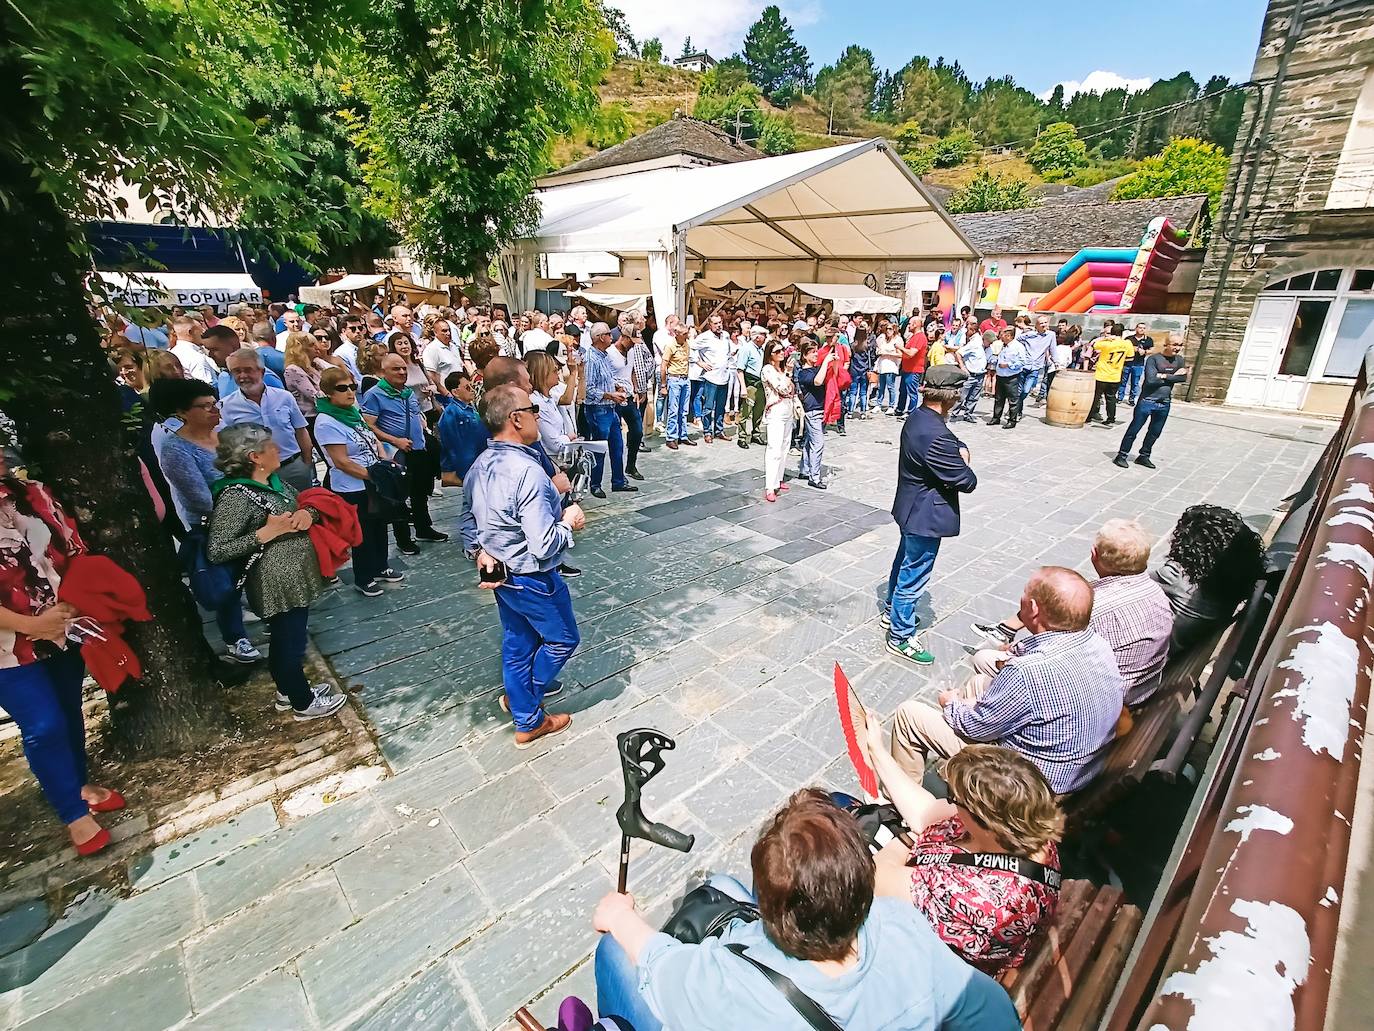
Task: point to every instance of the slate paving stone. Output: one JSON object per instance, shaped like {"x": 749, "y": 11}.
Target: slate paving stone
{"x": 429, "y": 786}
{"x": 392, "y": 865}
{"x": 741, "y": 796}
{"x": 497, "y": 807}
{"x": 349, "y": 970}
{"x": 274, "y": 1003}
{"x": 505, "y": 870}
{"x": 152, "y": 997}
{"x": 797, "y": 551}
{"x": 22, "y": 924}
{"x": 262, "y": 937}
{"x": 182, "y": 854}
{"x": 285, "y": 855}
{"x": 435, "y": 1000}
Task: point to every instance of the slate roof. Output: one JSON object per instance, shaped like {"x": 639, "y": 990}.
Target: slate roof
{"x": 676, "y": 136}
{"x": 1052, "y": 228}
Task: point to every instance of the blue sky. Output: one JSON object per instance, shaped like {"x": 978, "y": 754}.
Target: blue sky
{"x": 1039, "y": 44}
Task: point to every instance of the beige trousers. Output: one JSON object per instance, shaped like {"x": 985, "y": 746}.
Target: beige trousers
{"x": 920, "y": 731}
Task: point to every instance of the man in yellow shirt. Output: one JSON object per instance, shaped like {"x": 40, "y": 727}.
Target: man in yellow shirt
{"x": 1111, "y": 353}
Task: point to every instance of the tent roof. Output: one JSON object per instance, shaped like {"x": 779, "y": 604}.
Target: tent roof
{"x": 857, "y": 202}
{"x": 851, "y": 297}
{"x": 352, "y": 281}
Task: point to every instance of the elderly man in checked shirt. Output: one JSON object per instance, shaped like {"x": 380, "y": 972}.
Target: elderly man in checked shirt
{"x": 1056, "y": 698}
{"x": 1131, "y": 612}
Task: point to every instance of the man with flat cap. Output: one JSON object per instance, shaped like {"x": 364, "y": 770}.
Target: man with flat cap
{"x": 932, "y": 471}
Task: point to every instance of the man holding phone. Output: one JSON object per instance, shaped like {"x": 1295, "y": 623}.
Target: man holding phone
{"x": 524, "y": 531}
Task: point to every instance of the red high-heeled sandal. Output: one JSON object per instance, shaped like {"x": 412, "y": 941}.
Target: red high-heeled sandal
{"x": 113, "y": 802}
{"x": 94, "y": 844}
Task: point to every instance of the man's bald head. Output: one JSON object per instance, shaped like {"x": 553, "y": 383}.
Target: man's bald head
{"x": 502, "y": 371}
{"x": 1056, "y": 599}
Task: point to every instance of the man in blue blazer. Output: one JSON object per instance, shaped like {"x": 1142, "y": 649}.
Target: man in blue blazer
{"x": 932, "y": 472}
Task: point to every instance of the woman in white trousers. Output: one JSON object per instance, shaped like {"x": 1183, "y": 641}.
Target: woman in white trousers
{"x": 780, "y": 398}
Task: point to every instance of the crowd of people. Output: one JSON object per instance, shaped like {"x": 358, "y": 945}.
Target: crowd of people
{"x": 284, "y": 442}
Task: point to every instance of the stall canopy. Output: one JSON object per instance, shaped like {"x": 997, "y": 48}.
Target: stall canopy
{"x": 187, "y": 289}
{"x": 849, "y": 298}
{"x": 395, "y": 288}
{"x": 320, "y": 292}
{"x": 840, "y": 213}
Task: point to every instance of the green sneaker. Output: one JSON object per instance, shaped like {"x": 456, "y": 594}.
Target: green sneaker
{"x": 911, "y": 650}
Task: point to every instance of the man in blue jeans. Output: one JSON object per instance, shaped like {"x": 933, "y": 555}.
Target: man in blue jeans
{"x": 1134, "y": 372}
{"x": 1162, "y": 371}
{"x": 603, "y": 423}
{"x": 524, "y": 531}
{"x": 932, "y": 471}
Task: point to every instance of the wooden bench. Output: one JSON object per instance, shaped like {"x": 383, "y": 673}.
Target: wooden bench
{"x": 1073, "y": 966}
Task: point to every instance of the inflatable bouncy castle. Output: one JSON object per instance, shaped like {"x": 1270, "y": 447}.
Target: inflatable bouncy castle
{"x": 1116, "y": 280}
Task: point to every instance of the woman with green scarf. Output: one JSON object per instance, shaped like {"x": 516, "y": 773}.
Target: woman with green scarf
{"x": 256, "y": 526}
{"x": 350, "y": 448}
{"x": 391, "y": 410}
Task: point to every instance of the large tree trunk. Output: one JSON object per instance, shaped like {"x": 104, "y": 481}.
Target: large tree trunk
{"x": 61, "y": 395}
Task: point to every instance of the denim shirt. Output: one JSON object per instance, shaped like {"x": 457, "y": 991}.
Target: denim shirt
{"x": 462, "y": 437}
{"x": 517, "y": 510}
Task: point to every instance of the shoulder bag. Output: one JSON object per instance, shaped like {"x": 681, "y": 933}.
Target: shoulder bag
{"x": 385, "y": 486}
{"x": 807, "y": 1008}
{"x": 1027, "y": 868}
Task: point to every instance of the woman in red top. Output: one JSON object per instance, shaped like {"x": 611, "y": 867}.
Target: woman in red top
{"x": 999, "y": 805}
{"x": 40, "y": 669}
{"x": 913, "y": 369}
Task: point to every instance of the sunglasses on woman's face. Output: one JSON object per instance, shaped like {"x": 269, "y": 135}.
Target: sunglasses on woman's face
{"x": 343, "y": 388}
{"x": 321, "y": 336}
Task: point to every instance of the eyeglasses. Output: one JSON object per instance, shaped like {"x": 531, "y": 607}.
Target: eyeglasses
{"x": 532, "y": 409}
{"x": 343, "y": 387}
{"x": 206, "y": 406}
{"x": 322, "y": 336}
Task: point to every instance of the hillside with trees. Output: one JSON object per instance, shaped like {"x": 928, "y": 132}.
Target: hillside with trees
{"x": 992, "y": 142}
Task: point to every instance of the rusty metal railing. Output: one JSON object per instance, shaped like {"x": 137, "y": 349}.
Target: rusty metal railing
{"x": 1256, "y": 944}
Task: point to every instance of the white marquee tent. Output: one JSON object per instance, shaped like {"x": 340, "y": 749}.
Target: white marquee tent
{"x": 835, "y": 215}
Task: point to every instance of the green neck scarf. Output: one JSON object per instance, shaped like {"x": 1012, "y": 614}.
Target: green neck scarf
{"x": 350, "y": 416}
{"x": 391, "y": 392}
{"x": 273, "y": 484}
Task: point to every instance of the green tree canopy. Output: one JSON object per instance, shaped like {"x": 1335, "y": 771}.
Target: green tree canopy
{"x": 652, "y": 49}
{"x": 1186, "y": 166}
{"x": 454, "y": 146}
{"x": 954, "y": 148}
{"x": 1003, "y": 113}
{"x": 988, "y": 191}
{"x": 1057, "y": 151}
{"x": 937, "y": 95}
{"x": 725, "y": 78}
{"x": 845, "y": 89}
{"x": 778, "y": 64}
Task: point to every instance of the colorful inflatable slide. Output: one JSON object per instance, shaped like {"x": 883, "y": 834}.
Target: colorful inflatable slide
{"x": 1119, "y": 279}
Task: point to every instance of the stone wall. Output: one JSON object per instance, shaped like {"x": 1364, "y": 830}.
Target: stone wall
{"x": 1293, "y": 164}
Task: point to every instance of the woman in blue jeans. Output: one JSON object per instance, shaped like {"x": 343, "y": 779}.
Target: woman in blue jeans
{"x": 868, "y": 962}
{"x": 257, "y": 525}
{"x": 40, "y": 669}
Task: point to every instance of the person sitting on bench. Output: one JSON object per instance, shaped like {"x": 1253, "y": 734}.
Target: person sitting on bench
{"x": 869, "y": 963}
{"x": 1213, "y": 562}
{"x": 1002, "y": 820}
{"x": 1055, "y": 699}
{"x": 1130, "y": 611}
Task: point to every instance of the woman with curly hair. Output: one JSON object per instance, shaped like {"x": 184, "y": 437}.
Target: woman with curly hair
{"x": 1213, "y": 562}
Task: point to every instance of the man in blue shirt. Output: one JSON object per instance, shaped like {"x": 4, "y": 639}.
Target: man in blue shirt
{"x": 273, "y": 360}
{"x": 523, "y": 526}
{"x": 462, "y": 437}
{"x": 749, "y": 363}
{"x": 255, "y": 401}
{"x": 599, "y": 407}
{"x": 392, "y": 410}
{"x": 221, "y": 342}
{"x": 1039, "y": 355}
{"x": 1010, "y": 363}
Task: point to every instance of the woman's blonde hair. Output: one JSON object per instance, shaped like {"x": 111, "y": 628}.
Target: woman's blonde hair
{"x": 543, "y": 370}
{"x": 300, "y": 351}
{"x": 1007, "y": 794}
{"x": 236, "y": 324}
{"x": 164, "y": 365}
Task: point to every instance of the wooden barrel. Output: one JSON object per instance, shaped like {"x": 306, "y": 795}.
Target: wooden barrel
{"x": 1071, "y": 398}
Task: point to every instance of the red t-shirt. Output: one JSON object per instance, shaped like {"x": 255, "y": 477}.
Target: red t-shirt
{"x": 996, "y": 325}
{"x": 915, "y": 362}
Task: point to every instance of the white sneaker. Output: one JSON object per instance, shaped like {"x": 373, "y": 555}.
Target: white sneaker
{"x": 243, "y": 651}
{"x": 390, "y": 576}
{"x": 325, "y": 703}
{"x": 283, "y": 704}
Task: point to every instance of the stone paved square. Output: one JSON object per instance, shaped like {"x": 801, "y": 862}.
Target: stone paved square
{"x": 462, "y": 886}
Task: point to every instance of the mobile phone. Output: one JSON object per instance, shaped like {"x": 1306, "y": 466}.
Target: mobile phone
{"x": 497, "y": 575}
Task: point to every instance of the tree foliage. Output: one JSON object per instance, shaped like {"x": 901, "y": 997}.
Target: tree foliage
{"x": 989, "y": 191}
{"x": 610, "y": 125}
{"x": 778, "y": 64}
{"x": 845, "y": 90}
{"x": 954, "y": 149}
{"x": 652, "y": 50}
{"x": 1058, "y": 151}
{"x": 937, "y": 95}
{"x": 625, "y": 43}
{"x": 726, "y": 77}
{"x": 1186, "y": 166}
{"x": 740, "y": 113}
{"x": 908, "y": 137}
{"x": 1001, "y": 112}
{"x": 454, "y": 146}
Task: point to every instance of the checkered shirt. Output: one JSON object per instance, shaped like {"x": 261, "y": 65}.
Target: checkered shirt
{"x": 600, "y": 376}
{"x": 642, "y": 358}
{"x": 1133, "y": 615}
{"x": 1056, "y": 701}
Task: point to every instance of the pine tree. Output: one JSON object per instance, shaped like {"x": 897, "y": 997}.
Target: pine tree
{"x": 777, "y": 63}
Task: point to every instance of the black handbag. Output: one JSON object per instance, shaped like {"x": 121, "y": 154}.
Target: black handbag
{"x": 386, "y": 487}
{"x": 705, "y": 912}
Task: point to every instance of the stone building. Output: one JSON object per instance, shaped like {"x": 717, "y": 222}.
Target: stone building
{"x": 1284, "y": 309}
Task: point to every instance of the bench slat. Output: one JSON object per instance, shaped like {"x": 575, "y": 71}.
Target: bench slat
{"x": 1067, "y": 973}
{"x": 1095, "y": 989}
{"x": 1024, "y": 981}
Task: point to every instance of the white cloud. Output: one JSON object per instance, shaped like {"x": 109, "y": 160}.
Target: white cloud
{"x": 714, "y": 25}
{"x": 1098, "y": 82}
